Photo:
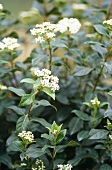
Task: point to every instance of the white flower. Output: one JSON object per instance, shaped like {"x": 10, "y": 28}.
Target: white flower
{"x": 71, "y": 25}
{"x": 108, "y": 22}
{"x": 47, "y": 80}
{"x": 2, "y": 87}
{"x": 26, "y": 136}
{"x": 2, "y": 46}
{"x": 65, "y": 167}
{"x": 44, "y": 31}
{"x": 94, "y": 102}
{"x": 1, "y": 7}
{"x": 9, "y": 44}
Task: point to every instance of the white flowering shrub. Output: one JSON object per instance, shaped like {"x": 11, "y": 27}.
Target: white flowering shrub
{"x": 56, "y": 86}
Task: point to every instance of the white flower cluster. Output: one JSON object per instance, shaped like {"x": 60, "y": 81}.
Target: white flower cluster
{"x": 47, "y": 80}
{"x": 65, "y": 167}
{"x": 108, "y": 22}
{"x": 39, "y": 165}
{"x": 2, "y": 87}
{"x": 1, "y": 7}
{"x": 9, "y": 44}
{"x": 27, "y": 137}
{"x": 72, "y": 25}
{"x": 47, "y": 31}
{"x": 95, "y": 102}
{"x": 44, "y": 31}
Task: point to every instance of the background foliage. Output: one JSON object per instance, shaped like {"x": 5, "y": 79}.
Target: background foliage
{"x": 84, "y": 67}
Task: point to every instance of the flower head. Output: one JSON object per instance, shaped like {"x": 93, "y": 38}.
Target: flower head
{"x": 9, "y": 44}
{"x": 108, "y": 22}
{"x": 1, "y": 7}
{"x": 65, "y": 167}
{"x": 47, "y": 80}
{"x": 95, "y": 102}
{"x": 2, "y": 87}
{"x": 71, "y": 25}
{"x": 27, "y": 137}
{"x": 44, "y": 31}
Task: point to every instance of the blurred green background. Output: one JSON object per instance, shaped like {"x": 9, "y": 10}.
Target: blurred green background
{"x": 16, "y": 6}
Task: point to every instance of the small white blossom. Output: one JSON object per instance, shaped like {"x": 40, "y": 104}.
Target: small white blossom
{"x": 23, "y": 164}
{"x": 2, "y": 87}
{"x": 9, "y": 44}
{"x": 94, "y": 102}
{"x": 65, "y": 167}
{"x": 27, "y": 137}
{"x": 44, "y": 31}
{"x": 71, "y": 25}
{"x": 47, "y": 80}
{"x": 1, "y": 7}
{"x": 108, "y": 22}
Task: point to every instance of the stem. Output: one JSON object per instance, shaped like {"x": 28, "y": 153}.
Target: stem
{"x": 109, "y": 12}
{"x": 68, "y": 52}
{"x": 50, "y": 55}
{"x": 53, "y": 155}
{"x": 45, "y": 10}
{"x": 13, "y": 73}
{"x": 29, "y": 110}
{"x": 31, "y": 105}
{"x": 99, "y": 75}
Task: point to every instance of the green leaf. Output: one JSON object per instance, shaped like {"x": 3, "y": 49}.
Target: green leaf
{"x": 110, "y": 93}
{"x": 82, "y": 71}
{"x": 45, "y": 103}
{"x": 39, "y": 58}
{"x": 101, "y": 30}
{"x": 34, "y": 152}
{"x": 81, "y": 115}
{"x": 3, "y": 62}
{"x": 98, "y": 48}
{"x": 16, "y": 146}
{"x": 42, "y": 121}
{"x": 46, "y": 136}
{"x": 19, "y": 111}
{"x": 105, "y": 167}
{"x": 19, "y": 92}
{"x": 84, "y": 134}
{"x": 108, "y": 113}
{"x": 5, "y": 159}
{"x": 46, "y": 147}
{"x": 22, "y": 123}
{"x": 61, "y": 136}
{"x": 98, "y": 134}
{"x": 49, "y": 92}
{"x": 75, "y": 125}
{"x": 27, "y": 99}
{"x": 28, "y": 80}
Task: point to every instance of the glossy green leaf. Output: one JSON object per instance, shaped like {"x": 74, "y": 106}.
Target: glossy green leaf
{"x": 42, "y": 121}
{"x": 49, "y": 92}
{"x": 82, "y": 71}
{"x": 19, "y": 111}
{"x": 98, "y": 134}
{"x": 61, "y": 136}
{"x": 6, "y": 159}
{"x": 19, "y": 92}
{"x": 27, "y": 99}
{"x": 101, "y": 30}
{"x": 28, "y": 80}
{"x": 81, "y": 115}
{"x": 46, "y": 136}
{"x": 22, "y": 123}
{"x": 105, "y": 167}
{"x": 84, "y": 134}
{"x": 75, "y": 125}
